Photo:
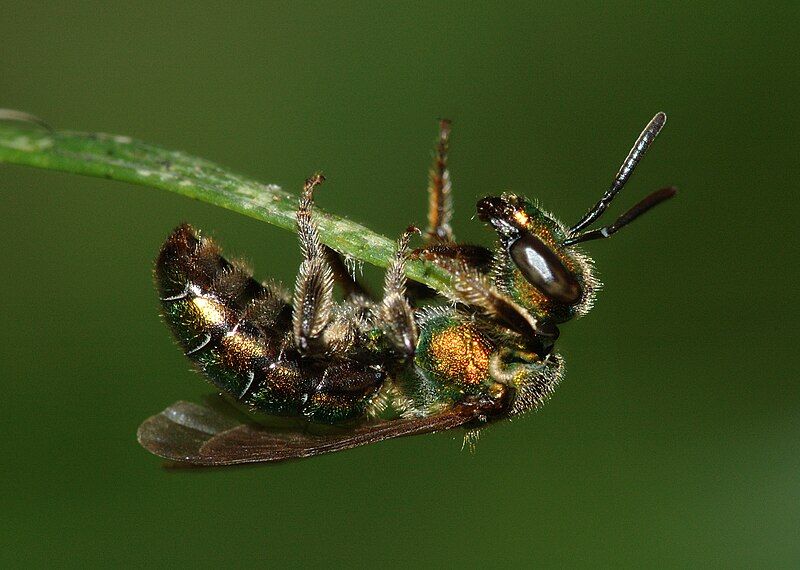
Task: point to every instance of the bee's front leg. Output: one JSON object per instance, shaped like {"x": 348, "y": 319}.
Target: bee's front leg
{"x": 534, "y": 378}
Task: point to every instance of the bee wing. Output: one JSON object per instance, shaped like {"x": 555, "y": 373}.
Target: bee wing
{"x": 192, "y": 434}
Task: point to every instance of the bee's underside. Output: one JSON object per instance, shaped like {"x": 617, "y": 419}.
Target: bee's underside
{"x": 377, "y": 369}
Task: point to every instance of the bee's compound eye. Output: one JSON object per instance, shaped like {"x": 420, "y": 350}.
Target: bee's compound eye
{"x": 544, "y": 270}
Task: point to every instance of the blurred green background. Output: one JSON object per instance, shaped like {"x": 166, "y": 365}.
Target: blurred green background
{"x": 675, "y": 438}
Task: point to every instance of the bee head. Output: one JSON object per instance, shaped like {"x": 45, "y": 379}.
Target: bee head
{"x": 533, "y": 265}
{"x": 538, "y": 263}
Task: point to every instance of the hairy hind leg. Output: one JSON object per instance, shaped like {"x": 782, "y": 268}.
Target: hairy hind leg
{"x": 313, "y": 290}
{"x": 317, "y": 326}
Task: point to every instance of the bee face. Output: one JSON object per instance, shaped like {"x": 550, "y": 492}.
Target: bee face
{"x": 533, "y": 265}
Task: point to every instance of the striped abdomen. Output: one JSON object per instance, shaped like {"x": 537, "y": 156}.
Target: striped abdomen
{"x": 238, "y": 333}
{"x": 228, "y": 324}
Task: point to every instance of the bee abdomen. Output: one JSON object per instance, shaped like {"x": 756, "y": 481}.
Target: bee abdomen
{"x": 238, "y": 333}
{"x": 228, "y": 324}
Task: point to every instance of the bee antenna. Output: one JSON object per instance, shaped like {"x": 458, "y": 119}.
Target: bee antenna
{"x": 648, "y": 203}
{"x": 636, "y": 154}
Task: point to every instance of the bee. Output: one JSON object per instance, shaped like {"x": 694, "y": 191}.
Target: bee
{"x": 377, "y": 368}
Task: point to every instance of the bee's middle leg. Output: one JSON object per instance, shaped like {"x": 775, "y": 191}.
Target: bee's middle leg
{"x": 395, "y": 312}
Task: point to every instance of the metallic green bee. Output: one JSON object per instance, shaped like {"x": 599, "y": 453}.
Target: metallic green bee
{"x": 379, "y": 368}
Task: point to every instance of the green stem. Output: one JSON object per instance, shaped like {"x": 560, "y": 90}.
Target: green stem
{"x": 128, "y": 160}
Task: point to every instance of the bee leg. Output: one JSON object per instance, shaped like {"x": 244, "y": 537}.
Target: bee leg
{"x": 395, "y": 312}
{"x": 475, "y": 289}
{"x": 313, "y": 290}
{"x": 451, "y": 257}
{"x": 533, "y": 379}
{"x": 440, "y": 246}
{"x": 440, "y": 201}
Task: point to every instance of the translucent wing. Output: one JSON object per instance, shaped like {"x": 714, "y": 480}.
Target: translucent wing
{"x": 198, "y": 435}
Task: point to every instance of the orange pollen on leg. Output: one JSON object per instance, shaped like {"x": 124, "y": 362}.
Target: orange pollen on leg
{"x": 461, "y": 353}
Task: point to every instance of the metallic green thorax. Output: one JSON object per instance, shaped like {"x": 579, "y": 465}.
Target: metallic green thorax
{"x": 451, "y": 360}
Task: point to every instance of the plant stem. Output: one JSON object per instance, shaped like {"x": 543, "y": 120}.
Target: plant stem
{"x": 128, "y": 160}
